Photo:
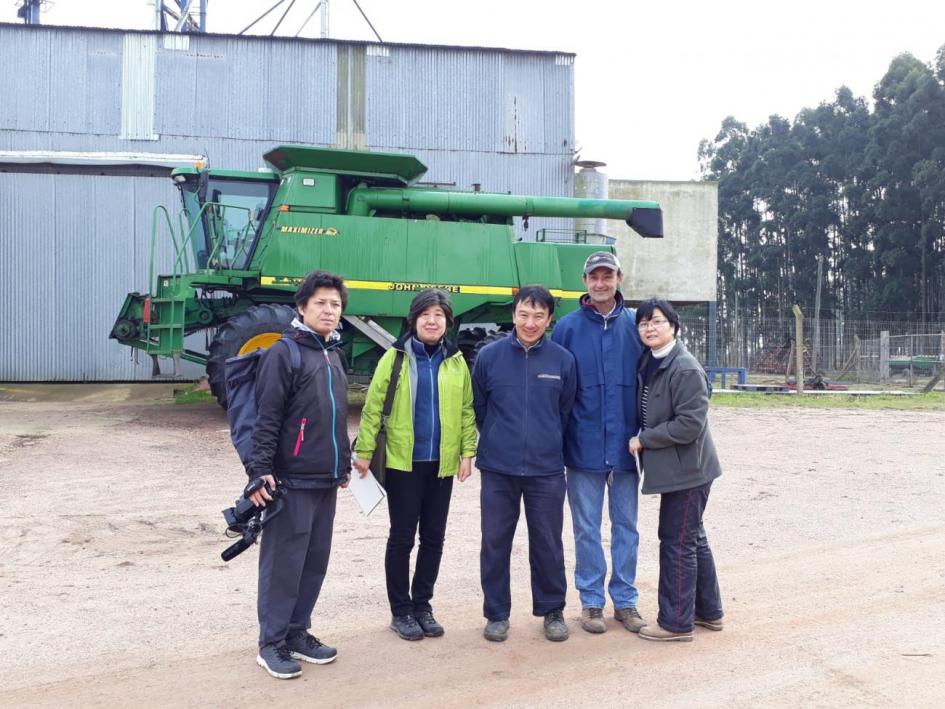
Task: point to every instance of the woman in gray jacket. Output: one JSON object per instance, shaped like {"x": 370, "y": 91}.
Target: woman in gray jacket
{"x": 679, "y": 463}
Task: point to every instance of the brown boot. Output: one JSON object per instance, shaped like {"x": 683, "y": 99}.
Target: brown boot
{"x": 657, "y": 632}
{"x": 710, "y": 624}
{"x": 592, "y": 620}
{"x": 630, "y": 618}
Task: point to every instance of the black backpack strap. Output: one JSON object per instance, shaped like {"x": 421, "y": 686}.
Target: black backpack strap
{"x": 295, "y": 357}
{"x": 295, "y": 360}
{"x": 391, "y": 386}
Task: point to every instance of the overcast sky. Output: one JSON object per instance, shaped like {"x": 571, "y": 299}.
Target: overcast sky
{"x": 652, "y": 79}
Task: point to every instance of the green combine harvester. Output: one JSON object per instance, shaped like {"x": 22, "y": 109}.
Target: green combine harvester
{"x": 244, "y": 241}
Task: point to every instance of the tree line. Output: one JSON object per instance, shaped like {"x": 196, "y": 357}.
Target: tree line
{"x": 861, "y": 188}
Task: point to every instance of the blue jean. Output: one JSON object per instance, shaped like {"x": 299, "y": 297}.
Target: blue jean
{"x": 586, "y": 498}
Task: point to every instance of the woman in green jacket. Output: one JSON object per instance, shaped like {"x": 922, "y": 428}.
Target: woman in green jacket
{"x": 431, "y": 437}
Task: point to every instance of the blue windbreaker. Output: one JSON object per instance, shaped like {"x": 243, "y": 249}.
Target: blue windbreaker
{"x": 604, "y": 417}
{"x": 522, "y": 401}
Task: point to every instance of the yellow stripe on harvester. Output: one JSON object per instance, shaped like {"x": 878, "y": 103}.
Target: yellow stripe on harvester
{"x": 486, "y": 290}
{"x": 369, "y": 285}
{"x": 290, "y": 281}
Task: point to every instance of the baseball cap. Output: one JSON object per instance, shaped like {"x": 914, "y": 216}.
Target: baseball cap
{"x": 601, "y": 259}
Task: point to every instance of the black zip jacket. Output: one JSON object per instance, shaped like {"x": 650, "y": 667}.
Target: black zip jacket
{"x": 301, "y": 418}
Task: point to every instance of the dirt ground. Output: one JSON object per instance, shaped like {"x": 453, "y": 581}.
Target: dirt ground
{"x": 827, "y": 526}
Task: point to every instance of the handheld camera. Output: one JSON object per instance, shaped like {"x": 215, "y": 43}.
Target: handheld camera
{"x": 246, "y": 521}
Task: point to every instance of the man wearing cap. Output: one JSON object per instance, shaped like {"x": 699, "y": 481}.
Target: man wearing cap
{"x": 603, "y": 338}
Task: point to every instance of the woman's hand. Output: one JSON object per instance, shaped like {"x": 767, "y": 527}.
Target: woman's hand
{"x": 465, "y": 469}
{"x": 635, "y": 445}
{"x": 362, "y": 465}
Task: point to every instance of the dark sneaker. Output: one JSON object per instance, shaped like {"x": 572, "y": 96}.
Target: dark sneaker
{"x": 277, "y": 661}
{"x": 630, "y": 618}
{"x": 659, "y": 633}
{"x": 556, "y": 629}
{"x": 496, "y": 630}
{"x": 407, "y": 627}
{"x": 592, "y": 620}
{"x": 710, "y": 624}
{"x": 428, "y": 624}
{"x": 308, "y": 648}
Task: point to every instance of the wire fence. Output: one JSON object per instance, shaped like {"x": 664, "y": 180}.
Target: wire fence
{"x": 837, "y": 348}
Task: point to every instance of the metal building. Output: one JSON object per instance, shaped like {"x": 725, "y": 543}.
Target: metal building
{"x": 91, "y": 120}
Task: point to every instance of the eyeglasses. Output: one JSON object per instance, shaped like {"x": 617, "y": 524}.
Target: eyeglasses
{"x": 654, "y": 323}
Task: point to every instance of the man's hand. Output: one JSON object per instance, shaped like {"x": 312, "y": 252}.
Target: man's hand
{"x": 465, "y": 469}
{"x": 362, "y": 465}
{"x": 261, "y": 496}
{"x": 635, "y": 445}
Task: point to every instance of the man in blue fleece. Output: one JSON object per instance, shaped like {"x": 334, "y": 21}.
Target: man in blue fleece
{"x": 603, "y": 338}
{"x": 523, "y": 390}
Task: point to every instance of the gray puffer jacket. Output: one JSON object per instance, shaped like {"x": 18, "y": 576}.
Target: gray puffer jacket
{"x": 678, "y": 452}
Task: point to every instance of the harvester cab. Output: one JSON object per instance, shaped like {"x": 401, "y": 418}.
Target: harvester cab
{"x": 225, "y": 211}
{"x": 244, "y": 240}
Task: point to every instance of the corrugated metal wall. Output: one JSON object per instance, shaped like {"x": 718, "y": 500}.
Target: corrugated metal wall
{"x": 72, "y": 246}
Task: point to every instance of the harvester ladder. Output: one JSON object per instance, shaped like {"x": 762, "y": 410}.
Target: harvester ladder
{"x": 170, "y": 331}
{"x": 166, "y": 337}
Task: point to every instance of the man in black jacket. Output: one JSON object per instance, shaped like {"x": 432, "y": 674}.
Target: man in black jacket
{"x": 301, "y": 439}
{"x": 523, "y": 390}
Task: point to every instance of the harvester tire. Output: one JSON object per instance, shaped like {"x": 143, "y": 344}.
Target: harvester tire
{"x": 256, "y": 328}
{"x": 491, "y": 337}
{"x": 467, "y": 341}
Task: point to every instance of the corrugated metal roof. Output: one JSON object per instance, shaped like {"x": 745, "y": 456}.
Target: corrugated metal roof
{"x": 303, "y": 40}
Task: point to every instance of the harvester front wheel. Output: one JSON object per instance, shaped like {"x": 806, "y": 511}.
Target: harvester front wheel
{"x": 487, "y": 338}
{"x": 257, "y": 328}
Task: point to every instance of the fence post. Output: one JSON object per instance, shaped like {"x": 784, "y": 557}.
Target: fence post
{"x": 856, "y": 353}
{"x": 911, "y": 359}
{"x": 941, "y": 361}
{"x": 884, "y": 356}
{"x": 799, "y": 348}
{"x": 815, "y": 348}
{"x": 840, "y": 337}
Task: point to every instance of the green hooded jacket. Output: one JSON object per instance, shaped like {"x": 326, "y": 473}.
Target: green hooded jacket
{"x": 457, "y": 419}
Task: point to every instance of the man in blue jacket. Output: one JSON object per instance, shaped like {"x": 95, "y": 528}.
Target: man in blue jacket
{"x": 603, "y": 338}
{"x": 523, "y": 390}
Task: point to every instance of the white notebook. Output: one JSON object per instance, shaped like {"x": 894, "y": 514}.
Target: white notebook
{"x": 367, "y": 492}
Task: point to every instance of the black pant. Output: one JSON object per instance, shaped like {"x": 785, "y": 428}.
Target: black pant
{"x": 689, "y": 585}
{"x": 293, "y": 558}
{"x": 501, "y": 501}
{"x": 418, "y": 497}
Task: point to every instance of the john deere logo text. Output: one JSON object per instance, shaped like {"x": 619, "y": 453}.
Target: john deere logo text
{"x": 310, "y": 230}
{"x": 422, "y": 286}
